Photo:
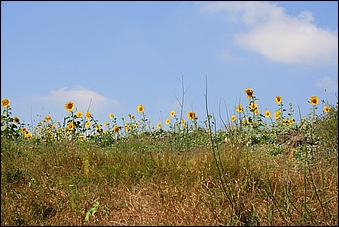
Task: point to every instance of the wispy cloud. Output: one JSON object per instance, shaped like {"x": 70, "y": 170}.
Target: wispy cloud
{"x": 278, "y": 36}
{"x": 328, "y": 84}
{"x": 82, "y": 98}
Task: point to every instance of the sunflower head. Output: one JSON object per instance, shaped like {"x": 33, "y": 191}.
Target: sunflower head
{"x": 172, "y": 113}
{"x": 5, "y": 102}
{"x": 141, "y": 108}
{"x": 278, "y": 99}
{"x": 327, "y": 109}
{"x": 191, "y": 115}
{"x": 239, "y": 108}
{"x": 267, "y": 113}
{"x": 249, "y": 92}
{"x": 233, "y": 118}
{"x": 69, "y": 106}
{"x": 314, "y": 100}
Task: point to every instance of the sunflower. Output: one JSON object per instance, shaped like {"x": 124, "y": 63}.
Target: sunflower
{"x": 140, "y": 108}
{"x": 191, "y": 115}
{"x": 28, "y": 134}
{"x": 5, "y": 102}
{"x": 168, "y": 121}
{"x": 267, "y": 113}
{"x": 48, "y": 118}
{"x": 126, "y": 126}
{"x": 69, "y": 106}
{"x": 98, "y": 127}
{"x": 172, "y": 113}
{"x": 88, "y": 115}
{"x": 256, "y": 112}
{"x": 239, "y": 108}
{"x": 314, "y": 100}
{"x": 88, "y": 123}
{"x": 233, "y": 118}
{"x": 277, "y": 114}
{"x": 182, "y": 121}
{"x": 327, "y": 109}
{"x": 291, "y": 121}
{"x": 70, "y": 126}
{"x": 253, "y": 105}
{"x": 23, "y": 129}
{"x": 249, "y": 92}
{"x": 111, "y": 115}
{"x": 278, "y": 99}
{"x": 106, "y": 123}
{"x": 116, "y": 128}
{"x": 159, "y": 125}
{"x": 16, "y": 120}
{"x": 79, "y": 114}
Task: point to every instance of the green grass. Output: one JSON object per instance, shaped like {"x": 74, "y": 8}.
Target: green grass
{"x": 255, "y": 174}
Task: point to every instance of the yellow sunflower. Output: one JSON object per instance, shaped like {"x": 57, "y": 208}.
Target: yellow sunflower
{"x": 256, "y": 112}
{"x": 16, "y": 120}
{"x": 191, "y": 115}
{"x": 267, "y": 113}
{"x": 88, "y": 123}
{"x": 253, "y": 105}
{"x": 239, "y": 108}
{"x": 69, "y": 106}
{"x": 5, "y": 102}
{"x": 327, "y": 109}
{"x": 140, "y": 108}
{"x": 88, "y": 115}
{"x": 277, "y": 114}
{"x": 168, "y": 121}
{"x": 278, "y": 99}
{"x": 314, "y": 100}
{"x": 79, "y": 114}
{"x": 249, "y": 92}
{"x": 172, "y": 113}
{"x": 116, "y": 128}
{"x": 233, "y": 118}
{"x": 111, "y": 115}
{"x": 159, "y": 125}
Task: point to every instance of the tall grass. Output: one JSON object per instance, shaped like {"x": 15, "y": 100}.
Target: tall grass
{"x": 256, "y": 171}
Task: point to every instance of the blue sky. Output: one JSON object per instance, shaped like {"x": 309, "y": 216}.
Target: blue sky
{"x": 122, "y": 54}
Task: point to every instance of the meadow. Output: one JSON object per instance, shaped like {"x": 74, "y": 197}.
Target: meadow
{"x": 262, "y": 168}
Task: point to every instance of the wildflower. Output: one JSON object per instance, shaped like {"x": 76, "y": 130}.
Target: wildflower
{"x": 98, "y": 127}
{"x": 182, "y": 121}
{"x": 48, "y": 118}
{"x": 5, "y": 102}
{"x": 278, "y": 99}
{"x": 291, "y": 121}
{"x": 88, "y": 123}
{"x": 277, "y": 114}
{"x": 69, "y": 106}
{"x": 136, "y": 124}
{"x": 126, "y": 126}
{"x": 28, "y": 134}
{"x": 79, "y": 114}
{"x": 245, "y": 122}
{"x": 70, "y": 126}
{"x": 249, "y": 92}
{"x": 191, "y": 115}
{"x": 111, "y": 115}
{"x": 159, "y": 125}
{"x": 59, "y": 130}
{"x": 314, "y": 100}
{"x": 267, "y": 113}
{"x": 184, "y": 125}
{"x": 16, "y": 120}
{"x": 116, "y": 128}
{"x": 239, "y": 108}
{"x": 133, "y": 117}
{"x": 88, "y": 115}
{"x": 168, "y": 121}
{"x": 172, "y": 113}
{"x": 23, "y": 129}
{"x": 327, "y": 109}
{"x": 256, "y": 112}
{"x": 253, "y": 105}
{"x": 106, "y": 123}
{"x": 140, "y": 108}
{"x": 233, "y": 118}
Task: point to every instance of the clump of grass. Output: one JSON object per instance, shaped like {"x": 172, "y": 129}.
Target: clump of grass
{"x": 259, "y": 170}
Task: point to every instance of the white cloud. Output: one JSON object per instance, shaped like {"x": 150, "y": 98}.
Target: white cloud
{"x": 328, "y": 84}
{"x": 277, "y": 36}
{"x": 81, "y": 97}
